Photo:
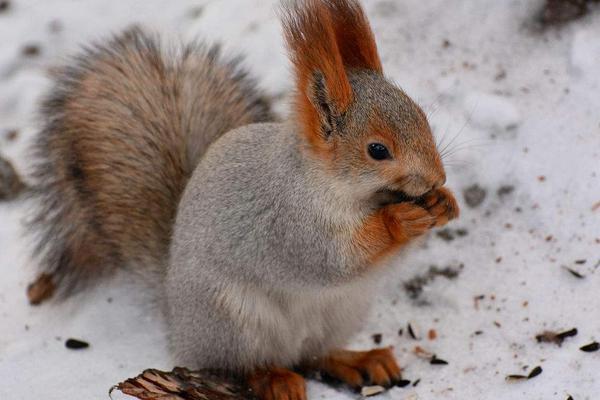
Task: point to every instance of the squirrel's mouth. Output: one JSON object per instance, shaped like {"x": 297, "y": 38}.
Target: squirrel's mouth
{"x": 388, "y": 196}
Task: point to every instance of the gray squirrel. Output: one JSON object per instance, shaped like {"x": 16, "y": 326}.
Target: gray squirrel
{"x": 266, "y": 239}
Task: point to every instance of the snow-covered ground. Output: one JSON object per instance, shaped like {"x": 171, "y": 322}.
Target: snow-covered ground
{"x": 520, "y": 109}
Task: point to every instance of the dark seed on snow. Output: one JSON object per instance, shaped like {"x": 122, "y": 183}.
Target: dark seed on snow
{"x": 576, "y": 274}
{"x": 505, "y": 190}
{"x": 462, "y": 232}
{"x": 400, "y": 332}
{"x": 438, "y": 361}
{"x": 535, "y": 372}
{"x": 411, "y": 332}
{"x": 516, "y": 377}
{"x": 569, "y": 333}
{"x": 553, "y": 337}
{"x": 377, "y": 338}
{"x": 403, "y": 383}
{"x": 415, "y": 383}
{"x": 589, "y": 348}
{"x": 445, "y": 234}
{"x": 580, "y": 262}
{"x": 76, "y": 344}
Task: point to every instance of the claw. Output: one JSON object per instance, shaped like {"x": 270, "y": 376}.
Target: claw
{"x": 360, "y": 368}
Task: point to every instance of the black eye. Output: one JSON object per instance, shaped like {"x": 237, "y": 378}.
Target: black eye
{"x": 379, "y": 152}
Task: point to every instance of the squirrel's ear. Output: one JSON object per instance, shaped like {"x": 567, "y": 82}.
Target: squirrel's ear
{"x": 321, "y": 79}
{"x": 354, "y": 36}
{"x": 326, "y": 109}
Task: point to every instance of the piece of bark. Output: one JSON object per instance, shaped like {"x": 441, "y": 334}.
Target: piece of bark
{"x": 183, "y": 384}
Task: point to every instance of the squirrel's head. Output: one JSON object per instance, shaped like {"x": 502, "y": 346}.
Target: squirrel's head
{"x": 367, "y": 130}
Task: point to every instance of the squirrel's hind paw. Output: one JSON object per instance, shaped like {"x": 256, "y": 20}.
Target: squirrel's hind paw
{"x": 277, "y": 384}
{"x": 359, "y": 368}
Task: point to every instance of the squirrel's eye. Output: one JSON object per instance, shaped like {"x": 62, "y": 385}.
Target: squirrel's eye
{"x": 378, "y": 151}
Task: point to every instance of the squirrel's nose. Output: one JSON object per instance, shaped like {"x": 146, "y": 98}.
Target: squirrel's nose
{"x": 439, "y": 182}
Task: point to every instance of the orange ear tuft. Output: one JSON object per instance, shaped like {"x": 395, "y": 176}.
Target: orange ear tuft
{"x": 354, "y": 35}
{"x": 324, "y": 38}
{"x": 311, "y": 40}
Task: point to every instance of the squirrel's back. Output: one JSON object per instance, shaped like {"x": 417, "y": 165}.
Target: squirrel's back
{"x": 125, "y": 126}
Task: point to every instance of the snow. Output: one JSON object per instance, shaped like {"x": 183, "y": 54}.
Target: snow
{"x": 585, "y": 51}
{"x": 516, "y": 106}
{"x": 489, "y": 111}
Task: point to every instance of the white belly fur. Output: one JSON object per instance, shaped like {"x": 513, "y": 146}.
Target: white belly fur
{"x": 285, "y": 329}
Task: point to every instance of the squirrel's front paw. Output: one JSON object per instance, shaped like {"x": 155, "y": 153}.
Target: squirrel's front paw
{"x": 406, "y": 221}
{"x": 441, "y": 205}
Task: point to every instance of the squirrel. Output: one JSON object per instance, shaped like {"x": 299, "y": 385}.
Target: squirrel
{"x": 266, "y": 238}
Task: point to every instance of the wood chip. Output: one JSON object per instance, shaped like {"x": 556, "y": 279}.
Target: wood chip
{"x": 513, "y": 378}
{"x": 432, "y": 334}
{"x": 554, "y": 337}
{"x": 368, "y": 391}
{"x": 422, "y": 353}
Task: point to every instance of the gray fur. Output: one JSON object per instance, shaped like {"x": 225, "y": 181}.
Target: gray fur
{"x": 260, "y": 272}
{"x": 263, "y": 269}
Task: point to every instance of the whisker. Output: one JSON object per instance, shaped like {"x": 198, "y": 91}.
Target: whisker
{"x": 460, "y": 131}
{"x": 467, "y": 144}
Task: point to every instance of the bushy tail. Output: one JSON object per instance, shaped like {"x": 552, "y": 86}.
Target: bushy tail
{"x": 125, "y": 126}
